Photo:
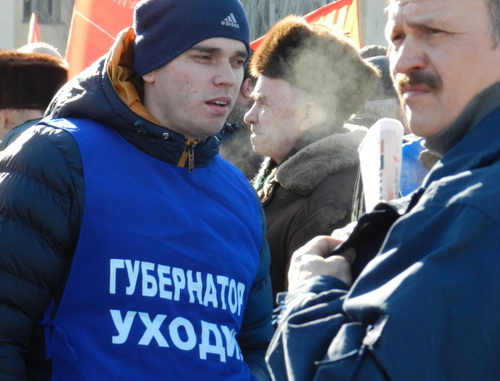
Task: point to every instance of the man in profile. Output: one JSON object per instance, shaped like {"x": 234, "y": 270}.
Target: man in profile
{"x": 427, "y": 306}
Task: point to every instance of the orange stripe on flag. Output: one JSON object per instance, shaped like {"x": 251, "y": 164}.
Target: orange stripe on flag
{"x": 327, "y": 9}
{"x": 342, "y": 13}
{"x": 34, "y": 30}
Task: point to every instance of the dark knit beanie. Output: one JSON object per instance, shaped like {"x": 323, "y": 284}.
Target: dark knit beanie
{"x": 29, "y": 80}
{"x": 166, "y": 28}
{"x": 385, "y": 85}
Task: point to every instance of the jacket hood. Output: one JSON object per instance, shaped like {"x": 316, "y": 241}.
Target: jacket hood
{"x": 104, "y": 89}
{"x": 110, "y": 91}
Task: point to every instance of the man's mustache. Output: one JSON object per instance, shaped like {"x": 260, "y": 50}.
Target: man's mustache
{"x": 418, "y": 78}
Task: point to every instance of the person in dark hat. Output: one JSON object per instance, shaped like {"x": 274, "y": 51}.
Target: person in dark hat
{"x": 373, "y": 50}
{"x": 130, "y": 250}
{"x": 384, "y": 101}
{"x": 310, "y": 81}
{"x": 28, "y": 81}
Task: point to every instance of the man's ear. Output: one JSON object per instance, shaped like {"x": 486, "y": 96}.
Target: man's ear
{"x": 149, "y": 77}
{"x": 5, "y": 122}
{"x": 4, "y": 119}
{"x": 312, "y": 116}
{"x": 246, "y": 88}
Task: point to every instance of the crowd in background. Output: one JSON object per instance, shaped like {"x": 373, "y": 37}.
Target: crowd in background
{"x": 189, "y": 205}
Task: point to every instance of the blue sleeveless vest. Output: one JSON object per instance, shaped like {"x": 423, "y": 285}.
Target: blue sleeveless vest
{"x": 163, "y": 267}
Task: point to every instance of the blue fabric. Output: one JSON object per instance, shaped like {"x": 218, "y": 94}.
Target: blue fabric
{"x": 155, "y": 287}
{"x": 412, "y": 170}
{"x": 427, "y": 306}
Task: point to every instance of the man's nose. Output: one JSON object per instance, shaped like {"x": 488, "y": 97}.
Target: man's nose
{"x": 409, "y": 56}
{"x": 251, "y": 117}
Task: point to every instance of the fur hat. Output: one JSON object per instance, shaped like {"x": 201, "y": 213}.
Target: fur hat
{"x": 319, "y": 60}
{"x": 166, "y": 28}
{"x": 29, "y": 80}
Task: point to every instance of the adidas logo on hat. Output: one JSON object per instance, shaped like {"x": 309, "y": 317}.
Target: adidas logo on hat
{"x": 230, "y": 21}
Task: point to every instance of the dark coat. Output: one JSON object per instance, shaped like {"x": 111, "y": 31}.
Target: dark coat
{"x": 42, "y": 202}
{"x": 427, "y": 306}
{"x": 308, "y": 194}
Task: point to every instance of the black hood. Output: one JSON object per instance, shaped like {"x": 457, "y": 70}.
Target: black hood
{"x": 109, "y": 92}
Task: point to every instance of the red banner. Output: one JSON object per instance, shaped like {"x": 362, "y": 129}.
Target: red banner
{"x": 342, "y": 13}
{"x": 94, "y": 27}
{"x": 95, "y": 24}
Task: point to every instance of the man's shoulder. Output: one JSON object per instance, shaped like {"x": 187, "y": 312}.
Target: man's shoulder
{"x": 53, "y": 136}
{"x": 474, "y": 188}
{"x": 40, "y": 149}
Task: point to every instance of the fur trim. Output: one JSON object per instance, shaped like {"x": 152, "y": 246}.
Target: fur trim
{"x": 319, "y": 60}
{"x": 304, "y": 170}
{"x": 29, "y": 80}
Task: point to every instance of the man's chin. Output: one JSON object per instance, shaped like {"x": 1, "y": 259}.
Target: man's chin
{"x": 254, "y": 140}
{"x": 423, "y": 127}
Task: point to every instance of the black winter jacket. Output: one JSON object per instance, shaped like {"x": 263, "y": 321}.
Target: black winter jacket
{"x": 42, "y": 201}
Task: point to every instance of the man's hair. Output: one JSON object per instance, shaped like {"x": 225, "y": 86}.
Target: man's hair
{"x": 495, "y": 19}
{"x": 40, "y": 47}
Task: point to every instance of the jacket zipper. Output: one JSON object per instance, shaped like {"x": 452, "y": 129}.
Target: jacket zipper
{"x": 191, "y": 157}
{"x": 188, "y": 156}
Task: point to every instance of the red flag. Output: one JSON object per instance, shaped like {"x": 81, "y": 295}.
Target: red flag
{"x": 34, "y": 30}
{"x": 94, "y": 27}
{"x": 95, "y": 24}
{"x": 341, "y": 13}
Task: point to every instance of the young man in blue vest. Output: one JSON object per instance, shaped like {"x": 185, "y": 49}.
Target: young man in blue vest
{"x": 129, "y": 249}
{"x": 427, "y": 306}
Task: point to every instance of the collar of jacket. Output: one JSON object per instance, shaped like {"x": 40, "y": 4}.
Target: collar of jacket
{"x": 477, "y": 148}
{"x": 480, "y": 106}
{"x": 305, "y": 168}
{"x": 109, "y": 91}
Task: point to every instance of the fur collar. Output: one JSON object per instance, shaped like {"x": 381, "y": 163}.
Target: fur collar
{"x": 302, "y": 171}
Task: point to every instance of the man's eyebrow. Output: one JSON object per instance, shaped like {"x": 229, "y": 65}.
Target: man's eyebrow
{"x": 242, "y": 54}
{"x": 215, "y": 50}
{"x": 425, "y": 22}
{"x": 258, "y": 96}
{"x": 205, "y": 48}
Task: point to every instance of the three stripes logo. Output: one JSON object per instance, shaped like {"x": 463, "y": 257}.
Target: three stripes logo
{"x": 230, "y": 21}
